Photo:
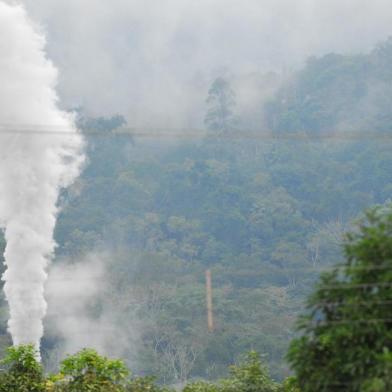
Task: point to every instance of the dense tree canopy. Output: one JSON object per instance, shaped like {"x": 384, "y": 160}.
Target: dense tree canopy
{"x": 266, "y": 215}
{"x": 337, "y": 93}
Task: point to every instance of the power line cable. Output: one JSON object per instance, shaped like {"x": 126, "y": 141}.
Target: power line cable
{"x": 150, "y": 132}
{"x": 347, "y": 286}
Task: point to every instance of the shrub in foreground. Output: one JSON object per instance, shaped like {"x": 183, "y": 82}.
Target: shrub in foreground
{"x": 87, "y": 371}
{"x": 346, "y": 343}
{"x": 21, "y": 371}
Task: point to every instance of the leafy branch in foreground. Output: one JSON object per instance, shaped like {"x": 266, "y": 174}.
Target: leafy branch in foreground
{"x": 21, "y": 371}
{"x": 347, "y": 332}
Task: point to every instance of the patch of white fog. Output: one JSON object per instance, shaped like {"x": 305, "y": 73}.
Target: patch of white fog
{"x": 83, "y": 310}
{"x": 153, "y": 60}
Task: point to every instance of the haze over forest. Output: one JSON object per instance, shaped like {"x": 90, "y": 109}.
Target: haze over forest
{"x": 280, "y": 114}
{"x": 153, "y": 61}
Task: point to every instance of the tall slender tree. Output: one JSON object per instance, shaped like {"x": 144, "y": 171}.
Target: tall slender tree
{"x": 220, "y": 118}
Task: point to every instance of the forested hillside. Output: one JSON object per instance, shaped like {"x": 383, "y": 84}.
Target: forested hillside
{"x": 265, "y": 214}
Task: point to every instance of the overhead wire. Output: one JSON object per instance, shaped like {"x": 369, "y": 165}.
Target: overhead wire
{"x": 156, "y": 132}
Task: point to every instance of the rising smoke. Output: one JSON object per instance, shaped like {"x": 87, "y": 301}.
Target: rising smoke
{"x": 33, "y": 168}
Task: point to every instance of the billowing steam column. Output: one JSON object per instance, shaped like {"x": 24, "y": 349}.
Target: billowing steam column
{"x": 35, "y": 163}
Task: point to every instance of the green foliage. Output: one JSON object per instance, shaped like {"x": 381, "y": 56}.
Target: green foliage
{"x": 251, "y": 375}
{"x": 88, "y": 371}
{"x": 336, "y": 93}
{"x": 347, "y": 340}
{"x": 290, "y": 384}
{"x": 21, "y": 371}
{"x": 202, "y": 386}
{"x": 145, "y": 384}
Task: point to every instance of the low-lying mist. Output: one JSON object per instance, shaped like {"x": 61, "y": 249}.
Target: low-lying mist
{"x": 84, "y": 310}
{"x": 153, "y": 61}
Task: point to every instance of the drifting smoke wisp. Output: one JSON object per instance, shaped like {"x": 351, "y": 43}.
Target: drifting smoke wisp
{"x": 94, "y": 315}
{"x": 33, "y": 168}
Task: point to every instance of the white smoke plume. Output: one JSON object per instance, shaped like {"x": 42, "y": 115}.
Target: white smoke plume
{"x": 34, "y": 166}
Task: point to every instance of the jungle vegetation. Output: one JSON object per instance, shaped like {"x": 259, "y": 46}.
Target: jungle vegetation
{"x": 266, "y": 214}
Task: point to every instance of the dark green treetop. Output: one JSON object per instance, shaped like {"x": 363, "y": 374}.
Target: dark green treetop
{"x": 21, "y": 371}
{"x": 347, "y": 333}
{"x": 88, "y": 371}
